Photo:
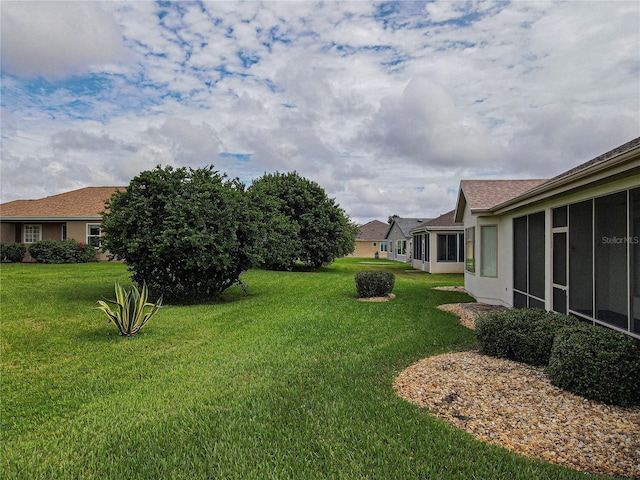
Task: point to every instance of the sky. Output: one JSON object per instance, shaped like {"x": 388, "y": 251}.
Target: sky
{"x": 387, "y": 106}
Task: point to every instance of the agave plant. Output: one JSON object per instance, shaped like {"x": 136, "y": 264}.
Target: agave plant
{"x": 132, "y": 311}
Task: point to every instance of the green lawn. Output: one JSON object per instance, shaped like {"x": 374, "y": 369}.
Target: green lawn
{"x": 292, "y": 381}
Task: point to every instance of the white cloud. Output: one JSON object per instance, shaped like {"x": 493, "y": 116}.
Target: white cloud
{"x": 387, "y": 106}
{"x": 56, "y": 39}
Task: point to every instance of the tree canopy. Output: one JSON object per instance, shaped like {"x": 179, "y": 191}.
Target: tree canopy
{"x": 302, "y": 222}
{"x": 187, "y": 233}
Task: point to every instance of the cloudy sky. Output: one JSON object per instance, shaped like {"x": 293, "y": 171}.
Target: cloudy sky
{"x": 386, "y": 105}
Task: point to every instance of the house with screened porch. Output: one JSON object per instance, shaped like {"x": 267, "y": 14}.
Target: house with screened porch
{"x": 570, "y": 244}
{"x": 438, "y": 245}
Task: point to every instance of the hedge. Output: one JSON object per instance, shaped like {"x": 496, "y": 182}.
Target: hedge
{"x": 523, "y": 335}
{"x": 66, "y": 251}
{"x": 596, "y": 363}
{"x": 12, "y": 252}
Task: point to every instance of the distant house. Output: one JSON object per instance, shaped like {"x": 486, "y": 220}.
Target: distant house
{"x": 570, "y": 244}
{"x": 371, "y": 240}
{"x": 438, "y": 245}
{"x": 72, "y": 215}
{"x": 400, "y": 239}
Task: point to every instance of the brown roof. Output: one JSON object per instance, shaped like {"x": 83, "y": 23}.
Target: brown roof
{"x": 444, "y": 220}
{"x": 85, "y": 202}
{"x": 484, "y": 194}
{"x": 373, "y": 230}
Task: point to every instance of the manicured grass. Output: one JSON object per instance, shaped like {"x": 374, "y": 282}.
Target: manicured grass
{"x": 292, "y": 381}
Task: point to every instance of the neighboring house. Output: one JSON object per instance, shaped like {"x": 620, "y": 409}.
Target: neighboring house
{"x": 569, "y": 244}
{"x": 371, "y": 240}
{"x": 438, "y": 245}
{"x": 399, "y": 237}
{"x": 72, "y": 215}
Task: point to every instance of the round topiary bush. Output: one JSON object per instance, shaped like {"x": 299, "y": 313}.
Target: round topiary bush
{"x": 596, "y": 363}
{"x": 523, "y": 335}
{"x": 374, "y": 283}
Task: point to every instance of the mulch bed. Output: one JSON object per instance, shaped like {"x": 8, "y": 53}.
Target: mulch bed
{"x": 514, "y": 405}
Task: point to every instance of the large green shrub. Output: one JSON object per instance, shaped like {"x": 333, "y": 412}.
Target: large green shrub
{"x": 371, "y": 283}
{"x": 596, "y": 363}
{"x": 66, "y": 251}
{"x": 187, "y": 233}
{"x": 523, "y": 335}
{"x": 12, "y": 252}
{"x": 302, "y": 222}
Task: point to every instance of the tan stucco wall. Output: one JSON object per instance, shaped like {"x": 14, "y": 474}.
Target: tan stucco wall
{"x": 7, "y": 232}
{"x": 367, "y": 249}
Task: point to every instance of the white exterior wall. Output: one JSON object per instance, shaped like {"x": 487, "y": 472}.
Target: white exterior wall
{"x": 492, "y": 290}
{"x": 433, "y": 265}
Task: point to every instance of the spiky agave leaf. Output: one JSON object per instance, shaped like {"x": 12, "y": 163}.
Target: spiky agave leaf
{"x": 129, "y": 315}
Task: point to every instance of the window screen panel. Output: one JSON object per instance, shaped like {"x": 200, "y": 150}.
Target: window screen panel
{"x": 536, "y": 255}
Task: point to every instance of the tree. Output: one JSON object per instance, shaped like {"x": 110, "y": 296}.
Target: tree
{"x": 187, "y": 233}
{"x": 302, "y": 223}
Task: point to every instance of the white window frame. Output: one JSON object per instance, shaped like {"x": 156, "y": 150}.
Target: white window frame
{"x": 89, "y": 237}
{"x": 470, "y": 250}
{"x": 30, "y": 233}
{"x": 484, "y": 266}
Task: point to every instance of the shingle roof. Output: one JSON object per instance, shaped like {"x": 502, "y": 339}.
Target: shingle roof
{"x": 407, "y": 224}
{"x": 85, "y": 202}
{"x": 373, "y": 230}
{"x": 599, "y": 159}
{"x": 444, "y": 220}
{"x": 484, "y": 194}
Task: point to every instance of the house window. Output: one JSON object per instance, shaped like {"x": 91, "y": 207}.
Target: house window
{"x": 63, "y": 233}
{"x": 529, "y": 261}
{"x": 94, "y": 233}
{"x": 384, "y": 247}
{"x": 32, "y": 233}
{"x": 401, "y": 247}
{"x": 470, "y": 234}
{"x": 489, "y": 251}
{"x": 449, "y": 247}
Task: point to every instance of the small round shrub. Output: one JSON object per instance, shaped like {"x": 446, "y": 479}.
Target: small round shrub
{"x": 596, "y": 363}
{"x": 371, "y": 283}
{"x": 523, "y": 335}
{"x": 12, "y": 252}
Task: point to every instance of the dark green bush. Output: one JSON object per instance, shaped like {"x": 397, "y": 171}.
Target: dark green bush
{"x": 187, "y": 233}
{"x": 66, "y": 251}
{"x": 12, "y": 252}
{"x": 523, "y": 335}
{"x": 596, "y": 363}
{"x": 374, "y": 283}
